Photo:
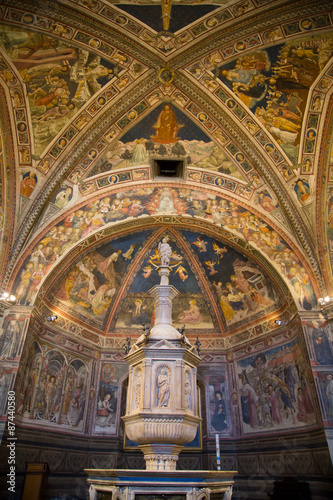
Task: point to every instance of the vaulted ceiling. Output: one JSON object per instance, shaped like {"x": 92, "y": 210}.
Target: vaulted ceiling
{"x": 94, "y": 92}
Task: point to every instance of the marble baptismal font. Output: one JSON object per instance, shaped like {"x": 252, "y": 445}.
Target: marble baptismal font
{"x": 162, "y": 411}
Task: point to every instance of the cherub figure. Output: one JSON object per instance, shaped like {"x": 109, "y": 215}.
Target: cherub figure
{"x": 200, "y": 244}
{"x": 219, "y": 251}
{"x": 182, "y": 272}
{"x": 210, "y": 265}
{"x": 147, "y": 271}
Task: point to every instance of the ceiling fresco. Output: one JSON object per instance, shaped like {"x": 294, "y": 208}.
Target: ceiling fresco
{"x": 274, "y": 84}
{"x": 167, "y": 134}
{"x": 182, "y": 15}
{"x": 92, "y": 94}
{"x": 145, "y": 201}
{"x": 108, "y": 288}
{"x": 59, "y": 79}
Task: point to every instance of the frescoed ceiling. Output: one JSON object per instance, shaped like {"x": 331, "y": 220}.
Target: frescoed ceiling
{"x": 220, "y": 289}
{"x": 95, "y": 93}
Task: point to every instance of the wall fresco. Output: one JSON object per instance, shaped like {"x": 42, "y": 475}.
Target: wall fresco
{"x": 4, "y": 383}
{"x": 91, "y": 286}
{"x": 323, "y": 346}
{"x": 108, "y": 398}
{"x": 11, "y": 336}
{"x": 92, "y": 283}
{"x": 275, "y": 391}
{"x": 232, "y": 279}
{"x": 241, "y": 289}
{"x": 217, "y": 399}
{"x": 325, "y": 382}
{"x": 54, "y": 391}
{"x": 2, "y": 170}
{"x": 329, "y": 210}
{"x": 190, "y": 307}
{"x": 1, "y": 176}
{"x": 319, "y": 337}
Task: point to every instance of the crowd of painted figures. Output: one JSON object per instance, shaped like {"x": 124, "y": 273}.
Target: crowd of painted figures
{"x": 274, "y": 390}
{"x": 59, "y": 79}
{"x": 54, "y": 391}
{"x": 145, "y": 201}
{"x": 275, "y": 87}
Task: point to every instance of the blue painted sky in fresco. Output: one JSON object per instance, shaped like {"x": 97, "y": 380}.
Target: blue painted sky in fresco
{"x": 225, "y": 267}
{"x": 141, "y": 284}
{"x": 124, "y": 244}
{"x": 181, "y": 15}
{"x": 144, "y": 129}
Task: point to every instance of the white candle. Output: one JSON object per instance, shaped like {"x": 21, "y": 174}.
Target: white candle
{"x": 218, "y": 457}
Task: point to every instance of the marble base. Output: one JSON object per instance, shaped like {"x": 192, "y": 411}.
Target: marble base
{"x": 129, "y": 484}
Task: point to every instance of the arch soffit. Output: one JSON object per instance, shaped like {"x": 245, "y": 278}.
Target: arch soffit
{"x": 166, "y": 223}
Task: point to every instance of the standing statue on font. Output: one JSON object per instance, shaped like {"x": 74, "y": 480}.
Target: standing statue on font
{"x": 165, "y": 252}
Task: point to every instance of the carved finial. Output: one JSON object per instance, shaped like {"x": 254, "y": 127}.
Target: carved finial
{"x": 198, "y": 344}
{"x": 146, "y": 330}
{"x": 182, "y": 333}
{"x": 127, "y": 345}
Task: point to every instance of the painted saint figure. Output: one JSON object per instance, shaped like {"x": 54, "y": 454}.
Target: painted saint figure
{"x": 28, "y": 184}
{"x": 166, "y": 204}
{"x": 105, "y": 411}
{"x": 218, "y": 420}
{"x": 192, "y": 314}
{"x": 139, "y": 154}
{"x": 9, "y": 340}
{"x": 329, "y": 394}
{"x": 302, "y": 189}
{"x": 322, "y": 347}
{"x": 166, "y": 127}
{"x": 3, "y": 390}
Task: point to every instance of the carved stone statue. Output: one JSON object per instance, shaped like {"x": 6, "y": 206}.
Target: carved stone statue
{"x": 165, "y": 252}
{"x": 163, "y": 383}
{"x": 188, "y": 391}
{"x": 137, "y": 389}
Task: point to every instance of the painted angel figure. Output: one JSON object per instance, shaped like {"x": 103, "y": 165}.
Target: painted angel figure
{"x": 182, "y": 272}
{"x": 165, "y": 252}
